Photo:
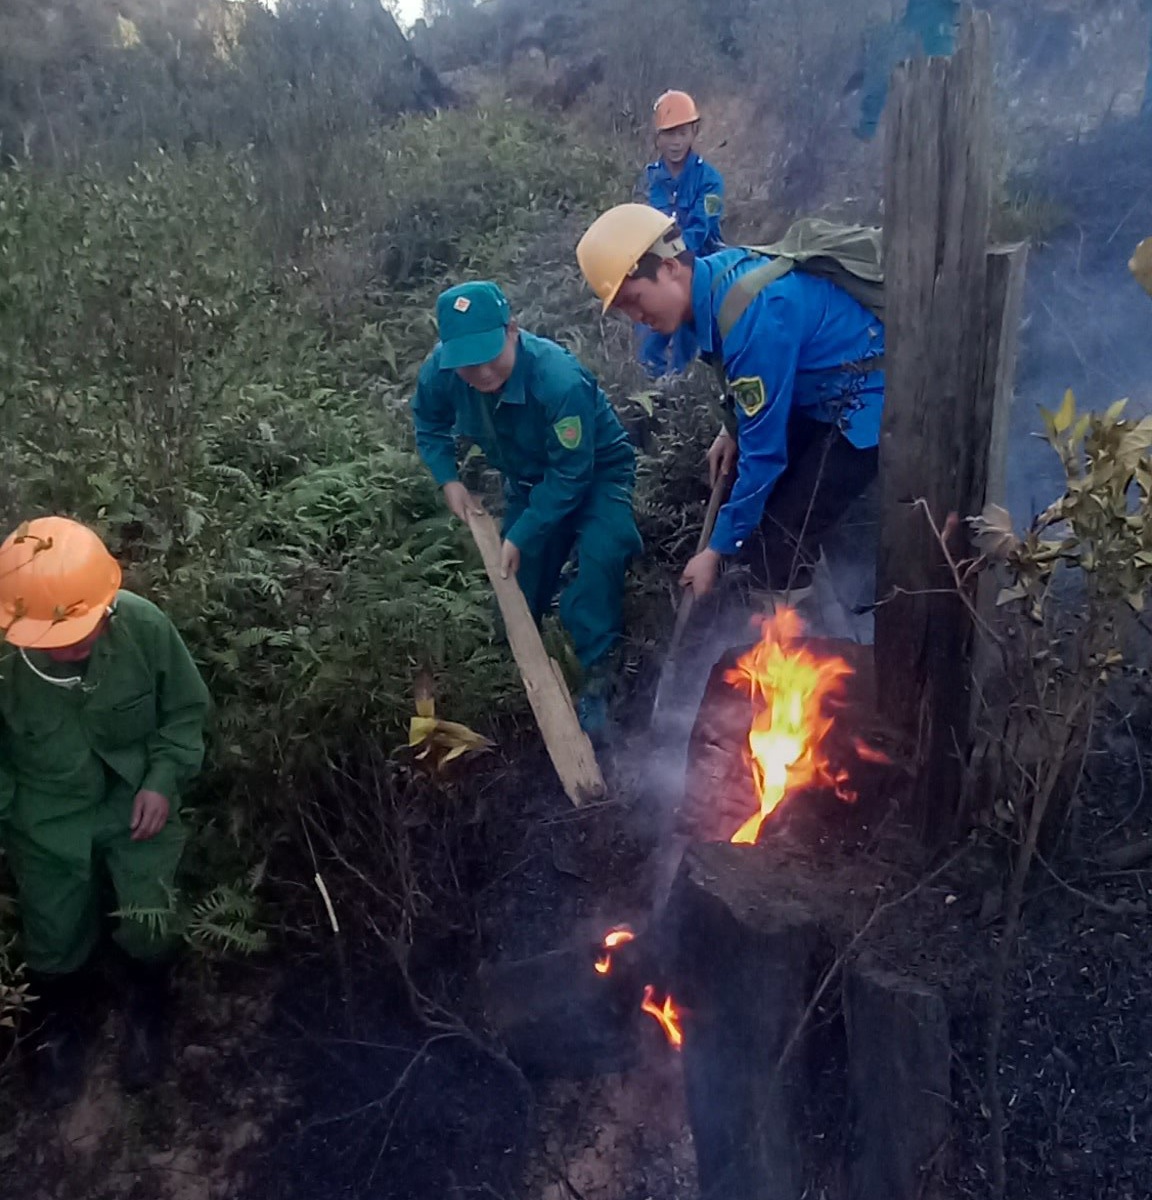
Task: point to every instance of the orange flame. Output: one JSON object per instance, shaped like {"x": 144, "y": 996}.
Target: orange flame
{"x": 788, "y": 685}
{"x": 667, "y": 1014}
{"x": 620, "y": 935}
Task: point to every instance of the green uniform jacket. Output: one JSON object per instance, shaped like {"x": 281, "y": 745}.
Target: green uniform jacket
{"x": 550, "y": 432}
{"x": 140, "y": 716}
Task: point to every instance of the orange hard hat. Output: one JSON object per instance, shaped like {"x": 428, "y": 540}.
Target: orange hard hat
{"x": 57, "y": 580}
{"x": 673, "y": 109}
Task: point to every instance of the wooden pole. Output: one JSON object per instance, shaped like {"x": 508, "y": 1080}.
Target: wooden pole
{"x": 568, "y": 745}
{"x": 949, "y": 358}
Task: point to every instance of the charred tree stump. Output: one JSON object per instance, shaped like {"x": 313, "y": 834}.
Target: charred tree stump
{"x": 743, "y": 974}
{"x": 719, "y": 790}
{"x": 899, "y": 1063}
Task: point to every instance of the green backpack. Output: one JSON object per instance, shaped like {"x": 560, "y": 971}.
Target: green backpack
{"x": 850, "y": 256}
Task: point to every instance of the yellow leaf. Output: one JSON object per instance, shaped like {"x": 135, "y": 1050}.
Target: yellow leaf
{"x": 1114, "y": 411}
{"x": 1066, "y": 413}
{"x": 420, "y": 729}
{"x": 1141, "y": 265}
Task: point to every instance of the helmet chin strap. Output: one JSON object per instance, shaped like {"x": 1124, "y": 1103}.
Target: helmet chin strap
{"x": 61, "y": 681}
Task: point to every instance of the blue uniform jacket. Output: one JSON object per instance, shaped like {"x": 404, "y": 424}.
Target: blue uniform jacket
{"x": 551, "y": 432}
{"x": 781, "y": 357}
{"x": 695, "y": 198}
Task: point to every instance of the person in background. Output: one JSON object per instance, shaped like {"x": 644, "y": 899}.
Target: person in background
{"x": 102, "y": 716}
{"x": 927, "y": 27}
{"x": 802, "y": 363}
{"x": 683, "y": 186}
{"x": 569, "y": 469}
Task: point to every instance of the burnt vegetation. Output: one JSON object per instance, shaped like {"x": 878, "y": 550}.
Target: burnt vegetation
{"x": 222, "y": 229}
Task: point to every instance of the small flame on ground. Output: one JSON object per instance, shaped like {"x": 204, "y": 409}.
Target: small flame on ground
{"x": 667, "y": 1014}
{"x": 788, "y": 685}
{"x": 620, "y": 935}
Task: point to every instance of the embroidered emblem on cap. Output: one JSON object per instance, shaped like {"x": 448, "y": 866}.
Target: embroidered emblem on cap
{"x": 462, "y": 304}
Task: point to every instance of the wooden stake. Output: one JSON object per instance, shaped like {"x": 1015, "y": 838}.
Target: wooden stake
{"x": 567, "y": 744}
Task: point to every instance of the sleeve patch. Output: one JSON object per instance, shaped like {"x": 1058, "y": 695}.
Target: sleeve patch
{"x": 570, "y": 432}
{"x": 749, "y": 394}
{"x": 713, "y": 204}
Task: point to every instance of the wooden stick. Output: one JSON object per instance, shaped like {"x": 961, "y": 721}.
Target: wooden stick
{"x": 688, "y": 597}
{"x": 567, "y": 744}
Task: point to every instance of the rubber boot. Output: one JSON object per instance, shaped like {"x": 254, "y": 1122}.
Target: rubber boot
{"x": 593, "y": 705}
{"x": 144, "y": 1054}
{"x": 58, "y": 1043}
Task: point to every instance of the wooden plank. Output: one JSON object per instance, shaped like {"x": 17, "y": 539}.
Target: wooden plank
{"x": 568, "y": 745}
{"x": 933, "y": 445}
{"x": 1007, "y": 268}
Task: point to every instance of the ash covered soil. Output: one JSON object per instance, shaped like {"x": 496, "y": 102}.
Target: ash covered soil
{"x": 390, "y": 1109}
{"x": 313, "y": 1076}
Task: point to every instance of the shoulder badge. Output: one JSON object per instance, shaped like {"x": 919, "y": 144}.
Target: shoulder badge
{"x": 570, "y": 432}
{"x": 713, "y": 204}
{"x": 749, "y": 394}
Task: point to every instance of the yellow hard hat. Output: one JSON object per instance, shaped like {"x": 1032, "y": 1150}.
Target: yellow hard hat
{"x": 617, "y": 240}
{"x": 57, "y": 580}
{"x": 674, "y": 109}
{"x": 1140, "y": 265}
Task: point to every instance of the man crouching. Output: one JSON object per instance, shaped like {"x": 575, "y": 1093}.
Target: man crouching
{"x": 102, "y": 715}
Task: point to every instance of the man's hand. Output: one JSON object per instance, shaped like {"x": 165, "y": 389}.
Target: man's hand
{"x": 700, "y": 573}
{"x": 149, "y": 815}
{"x": 722, "y": 455}
{"x": 461, "y": 502}
{"x": 509, "y": 559}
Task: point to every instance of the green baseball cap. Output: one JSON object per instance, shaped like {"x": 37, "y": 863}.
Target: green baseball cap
{"x": 472, "y": 318}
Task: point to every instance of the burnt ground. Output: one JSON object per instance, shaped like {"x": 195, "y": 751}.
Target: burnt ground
{"x": 319, "y": 1074}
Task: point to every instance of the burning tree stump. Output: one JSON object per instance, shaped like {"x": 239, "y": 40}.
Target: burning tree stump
{"x": 719, "y": 791}
{"x": 899, "y": 1068}
{"x": 743, "y": 975}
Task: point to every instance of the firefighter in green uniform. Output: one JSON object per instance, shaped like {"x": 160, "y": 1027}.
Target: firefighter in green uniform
{"x": 102, "y": 715}
{"x": 568, "y": 467}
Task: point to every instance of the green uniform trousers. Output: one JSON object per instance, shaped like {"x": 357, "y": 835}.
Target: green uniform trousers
{"x": 59, "y": 850}
{"x": 602, "y": 532}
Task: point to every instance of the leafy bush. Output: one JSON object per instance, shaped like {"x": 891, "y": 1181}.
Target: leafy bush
{"x": 239, "y": 433}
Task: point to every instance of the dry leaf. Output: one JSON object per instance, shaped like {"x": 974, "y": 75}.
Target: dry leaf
{"x": 993, "y": 533}
{"x": 443, "y": 741}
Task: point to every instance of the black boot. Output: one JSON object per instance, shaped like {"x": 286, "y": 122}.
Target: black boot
{"x": 57, "y": 1039}
{"x": 144, "y": 1055}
